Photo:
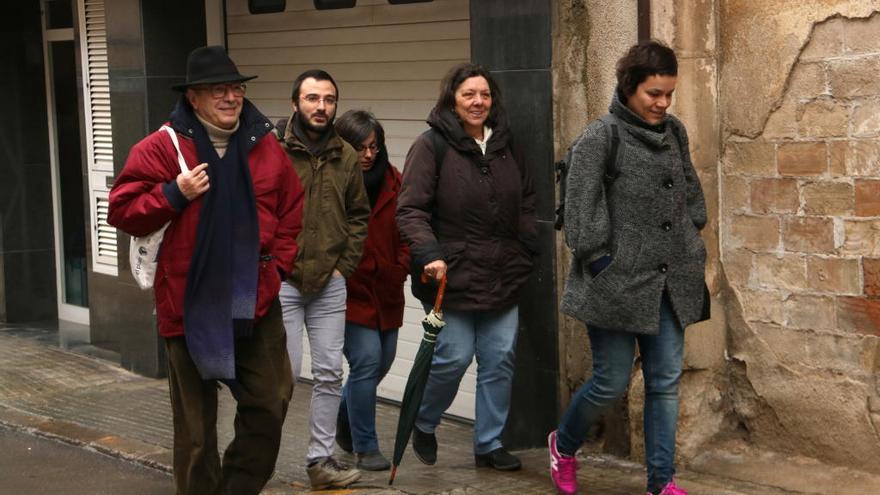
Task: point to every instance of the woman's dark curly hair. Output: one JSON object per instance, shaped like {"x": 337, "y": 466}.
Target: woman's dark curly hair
{"x": 643, "y": 60}
{"x": 457, "y": 75}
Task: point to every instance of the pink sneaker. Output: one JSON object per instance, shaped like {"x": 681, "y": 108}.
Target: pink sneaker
{"x": 671, "y": 489}
{"x": 563, "y": 469}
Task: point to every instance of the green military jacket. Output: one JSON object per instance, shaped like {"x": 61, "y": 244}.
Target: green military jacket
{"x": 335, "y": 211}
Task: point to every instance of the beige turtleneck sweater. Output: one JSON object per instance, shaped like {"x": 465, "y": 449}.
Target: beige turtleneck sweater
{"x": 219, "y": 137}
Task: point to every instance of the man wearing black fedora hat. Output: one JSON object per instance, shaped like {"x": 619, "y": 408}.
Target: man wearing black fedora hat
{"x": 232, "y": 222}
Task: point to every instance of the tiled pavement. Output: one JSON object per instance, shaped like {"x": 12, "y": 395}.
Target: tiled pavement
{"x": 87, "y": 401}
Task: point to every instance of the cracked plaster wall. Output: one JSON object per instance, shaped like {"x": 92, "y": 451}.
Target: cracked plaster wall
{"x": 782, "y": 102}
{"x": 800, "y": 224}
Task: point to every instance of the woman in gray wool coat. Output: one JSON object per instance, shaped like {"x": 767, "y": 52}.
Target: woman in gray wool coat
{"x": 637, "y": 275}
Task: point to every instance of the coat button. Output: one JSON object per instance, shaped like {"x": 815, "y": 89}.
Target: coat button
{"x": 668, "y": 184}
{"x": 253, "y": 138}
{"x": 663, "y": 268}
{"x": 667, "y": 226}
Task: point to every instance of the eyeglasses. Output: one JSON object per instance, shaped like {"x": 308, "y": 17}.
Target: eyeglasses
{"x": 315, "y": 99}
{"x": 219, "y": 90}
{"x": 372, "y": 147}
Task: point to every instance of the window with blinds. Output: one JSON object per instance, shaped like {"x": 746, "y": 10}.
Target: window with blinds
{"x": 99, "y": 142}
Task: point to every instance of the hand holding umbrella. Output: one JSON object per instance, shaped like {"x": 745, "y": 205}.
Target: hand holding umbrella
{"x": 418, "y": 377}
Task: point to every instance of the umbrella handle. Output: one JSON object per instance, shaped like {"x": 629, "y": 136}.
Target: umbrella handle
{"x": 442, "y": 290}
{"x": 438, "y": 301}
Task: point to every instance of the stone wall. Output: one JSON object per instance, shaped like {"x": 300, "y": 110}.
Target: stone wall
{"x": 800, "y": 225}
{"x": 588, "y": 38}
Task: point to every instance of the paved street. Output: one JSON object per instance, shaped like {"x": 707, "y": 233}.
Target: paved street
{"x": 96, "y": 405}
{"x": 34, "y": 465}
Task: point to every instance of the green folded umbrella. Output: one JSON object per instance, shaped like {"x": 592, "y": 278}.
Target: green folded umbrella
{"x": 418, "y": 377}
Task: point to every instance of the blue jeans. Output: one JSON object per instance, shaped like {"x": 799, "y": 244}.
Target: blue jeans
{"x": 370, "y": 354}
{"x": 613, "y": 353}
{"x": 491, "y": 335}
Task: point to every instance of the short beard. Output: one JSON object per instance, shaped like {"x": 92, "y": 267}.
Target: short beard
{"x": 309, "y": 127}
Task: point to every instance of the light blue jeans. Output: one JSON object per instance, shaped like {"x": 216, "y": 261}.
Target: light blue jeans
{"x": 323, "y": 316}
{"x": 613, "y": 353}
{"x": 491, "y": 336}
{"x": 370, "y": 353}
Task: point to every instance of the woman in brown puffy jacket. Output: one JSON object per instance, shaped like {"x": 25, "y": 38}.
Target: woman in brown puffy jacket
{"x": 467, "y": 210}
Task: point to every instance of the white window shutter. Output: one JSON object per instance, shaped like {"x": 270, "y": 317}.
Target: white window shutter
{"x": 99, "y": 134}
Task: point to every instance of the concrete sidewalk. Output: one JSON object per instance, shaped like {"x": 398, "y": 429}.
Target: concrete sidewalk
{"x": 87, "y": 401}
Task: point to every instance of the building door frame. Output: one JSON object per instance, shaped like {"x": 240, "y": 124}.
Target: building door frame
{"x": 67, "y": 312}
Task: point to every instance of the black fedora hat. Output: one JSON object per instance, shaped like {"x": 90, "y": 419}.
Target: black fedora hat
{"x": 209, "y": 65}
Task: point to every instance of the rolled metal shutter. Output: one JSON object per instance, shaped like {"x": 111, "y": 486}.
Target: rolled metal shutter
{"x": 388, "y": 59}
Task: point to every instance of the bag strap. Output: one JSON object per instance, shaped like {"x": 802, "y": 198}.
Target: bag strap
{"x": 682, "y": 148}
{"x": 611, "y": 169}
{"x": 438, "y": 142}
{"x": 561, "y": 169}
{"x": 180, "y": 160}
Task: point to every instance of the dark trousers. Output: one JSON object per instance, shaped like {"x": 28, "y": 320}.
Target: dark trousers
{"x": 266, "y": 385}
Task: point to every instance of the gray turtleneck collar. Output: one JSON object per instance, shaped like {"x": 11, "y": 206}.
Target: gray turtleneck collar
{"x": 219, "y": 137}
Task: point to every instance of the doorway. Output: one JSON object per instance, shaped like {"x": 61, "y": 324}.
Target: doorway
{"x": 68, "y": 178}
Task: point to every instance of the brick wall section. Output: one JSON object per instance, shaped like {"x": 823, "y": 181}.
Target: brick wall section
{"x": 801, "y": 202}
{"x": 867, "y": 197}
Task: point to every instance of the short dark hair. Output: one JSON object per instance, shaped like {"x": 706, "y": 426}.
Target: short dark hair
{"x": 355, "y": 126}
{"x": 457, "y": 75}
{"x": 318, "y": 75}
{"x": 643, "y": 60}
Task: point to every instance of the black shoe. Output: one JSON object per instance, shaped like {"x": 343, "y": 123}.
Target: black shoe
{"x": 343, "y": 434}
{"x": 424, "y": 446}
{"x": 499, "y": 459}
{"x": 373, "y": 461}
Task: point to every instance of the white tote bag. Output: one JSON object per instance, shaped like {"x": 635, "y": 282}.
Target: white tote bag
{"x": 143, "y": 251}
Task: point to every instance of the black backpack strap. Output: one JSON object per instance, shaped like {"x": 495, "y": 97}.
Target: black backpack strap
{"x": 611, "y": 169}
{"x": 438, "y": 142}
{"x": 561, "y": 169}
{"x": 440, "y": 147}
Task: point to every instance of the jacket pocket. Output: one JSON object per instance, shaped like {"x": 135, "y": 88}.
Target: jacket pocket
{"x": 517, "y": 262}
{"x": 170, "y": 286}
{"x": 393, "y": 275}
{"x": 457, "y": 271}
{"x": 268, "y": 285}
{"x": 389, "y": 285}
{"x": 615, "y": 277}
{"x": 694, "y": 241}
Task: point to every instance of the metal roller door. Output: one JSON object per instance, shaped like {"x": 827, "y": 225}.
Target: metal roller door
{"x": 388, "y": 59}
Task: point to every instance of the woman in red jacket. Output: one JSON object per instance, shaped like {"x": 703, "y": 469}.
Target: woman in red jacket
{"x": 375, "y": 294}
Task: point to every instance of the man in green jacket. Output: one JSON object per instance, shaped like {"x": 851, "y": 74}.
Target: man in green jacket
{"x": 335, "y": 215}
